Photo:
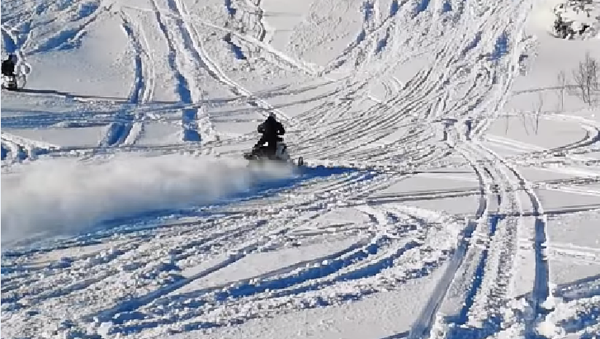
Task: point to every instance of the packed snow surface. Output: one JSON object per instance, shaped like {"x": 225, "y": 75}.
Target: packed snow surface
{"x": 451, "y": 187}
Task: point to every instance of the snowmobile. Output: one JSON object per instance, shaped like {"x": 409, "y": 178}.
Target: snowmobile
{"x": 261, "y": 154}
{"x": 9, "y": 82}
{"x": 13, "y": 75}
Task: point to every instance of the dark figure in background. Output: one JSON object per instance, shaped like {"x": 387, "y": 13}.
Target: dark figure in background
{"x": 8, "y": 66}
{"x": 271, "y": 129}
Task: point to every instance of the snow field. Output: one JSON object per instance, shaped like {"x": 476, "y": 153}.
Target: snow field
{"x": 452, "y": 188}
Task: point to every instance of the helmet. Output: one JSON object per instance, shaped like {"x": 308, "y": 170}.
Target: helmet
{"x": 12, "y": 57}
{"x": 272, "y": 115}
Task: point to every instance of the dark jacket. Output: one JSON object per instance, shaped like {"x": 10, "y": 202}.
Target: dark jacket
{"x": 271, "y": 128}
{"x": 8, "y": 67}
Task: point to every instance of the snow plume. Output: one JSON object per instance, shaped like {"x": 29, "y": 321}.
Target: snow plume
{"x": 59, "y": 196}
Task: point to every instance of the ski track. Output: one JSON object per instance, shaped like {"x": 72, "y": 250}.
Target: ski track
{"x": 68, "y": 37}
{"x": 231, "y": 233}
{"x": 142, "y": 89}
{"x": 185, "y": 63}
{"x": 156, "y": 265}
{"x": 17, "y": 149}
{"x": 542, "y": 275}
{"x": 289, "y": 281}
{"x": 491, "y": 262}
{"x": 592, "y": 136}
{"x": 191, "y": 37}
{"x": 254, "y": 19}
{"x": 10, "y": 42}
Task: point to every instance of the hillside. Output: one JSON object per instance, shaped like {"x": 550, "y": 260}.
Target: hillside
{"x": 451, "y": 187}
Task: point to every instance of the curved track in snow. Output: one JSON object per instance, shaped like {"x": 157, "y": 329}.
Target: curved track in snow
{"x": 389, "y": 105}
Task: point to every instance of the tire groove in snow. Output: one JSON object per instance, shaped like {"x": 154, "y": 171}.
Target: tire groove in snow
{"x": 186, "y": 91}
{"x": 253, "y": 246}
{"x": 541, "y": 290}
{"x": 486, "y": 296}
{"x": 191, "y": 36}
{"x": 426, "y": 319}
{"x": 288, "y": 282}
{"x": 391, "y": 134}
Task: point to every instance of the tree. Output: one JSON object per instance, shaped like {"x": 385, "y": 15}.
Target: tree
{"x": 586, "y": 78}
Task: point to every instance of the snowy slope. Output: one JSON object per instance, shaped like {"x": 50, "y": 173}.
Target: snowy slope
{"x": 453, "y": 186}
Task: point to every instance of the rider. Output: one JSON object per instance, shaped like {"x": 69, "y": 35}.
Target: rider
{"x": 271, "y": 129}
{"x": 8, "y": 66}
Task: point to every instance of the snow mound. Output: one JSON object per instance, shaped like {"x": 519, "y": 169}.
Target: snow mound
{"x": 576, "y": 20}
